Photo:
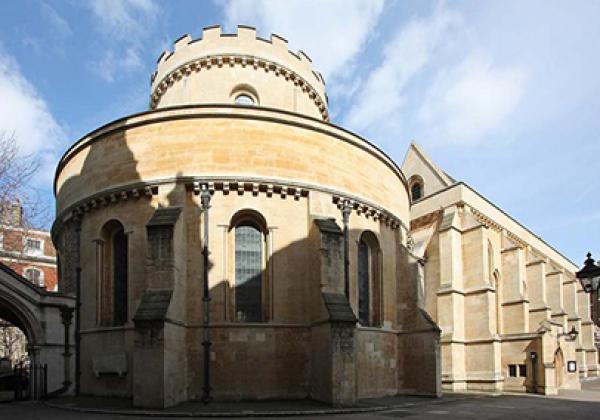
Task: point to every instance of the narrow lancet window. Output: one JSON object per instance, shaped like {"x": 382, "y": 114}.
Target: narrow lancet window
{"x": 369, "y": 280}
{"x": 363, "y": 283}
{"x": 119, "y": 243}
{"x": 248, "y": 273}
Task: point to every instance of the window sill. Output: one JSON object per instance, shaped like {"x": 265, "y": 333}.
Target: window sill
{"x": 100, "y": 329}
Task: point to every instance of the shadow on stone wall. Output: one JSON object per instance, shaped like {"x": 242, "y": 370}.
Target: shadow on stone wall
{"x": 300, "y": 352}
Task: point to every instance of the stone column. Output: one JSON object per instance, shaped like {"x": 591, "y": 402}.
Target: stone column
{"x": 333, "y": 372}
{"x": 158, "y": 361}
{"x": 515, "y": 304}
{"x": 539, "y": 309}
{"x": 451, "y": 302}
{"x": 482, "y": 350}
{"x": 585, "y": 338}
{"x": 554, "y": 283}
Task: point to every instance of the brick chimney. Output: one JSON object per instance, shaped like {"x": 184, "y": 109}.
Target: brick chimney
{"x": 11, "y": 213}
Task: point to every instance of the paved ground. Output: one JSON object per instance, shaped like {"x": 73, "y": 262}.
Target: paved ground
{"x": 569, "y": 405}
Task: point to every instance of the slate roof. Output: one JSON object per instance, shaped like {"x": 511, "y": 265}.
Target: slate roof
{"x": 165, "y": 216}
{"x": 338, "y": 307}
{"x": 154, "y": 305}
{"x": 328, "y": 226}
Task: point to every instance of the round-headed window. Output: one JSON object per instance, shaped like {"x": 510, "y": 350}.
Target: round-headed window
{"x": 243, "y": 99}
{"x": 416, "y": 191}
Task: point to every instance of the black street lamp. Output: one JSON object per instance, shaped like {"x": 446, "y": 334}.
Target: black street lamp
{"x": 206, "y": 343}
{"x": 589, "y": 276}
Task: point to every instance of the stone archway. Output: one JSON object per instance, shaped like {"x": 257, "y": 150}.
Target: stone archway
{"x": 45, "y": 319}
{"x": 13, "y": 311}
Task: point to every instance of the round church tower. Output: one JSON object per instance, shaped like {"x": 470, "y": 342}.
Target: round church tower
{"x": 306, "y": 226}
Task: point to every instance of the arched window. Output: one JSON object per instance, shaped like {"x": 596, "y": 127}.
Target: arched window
{"x": 244, "y": 94}
{"x": 416, "y": 191}
{"x": 248, "y": 273}
{"x": 498, "y": 288}
{"x": 416, "y": 188}
{"x": 491, "y": 263}
{"x": 244, "y": 100}
{"x": 369, "y": 280}
{"x": 112, "y": 261}
{"x": 35, "y": 276}
{"x": 250, "y": 266}
{"x": 119, "y": 268}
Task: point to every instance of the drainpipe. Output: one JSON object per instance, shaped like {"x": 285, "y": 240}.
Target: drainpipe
{"x": 206, "y": 343}
{"x": 78, "y": 332}
{"x": 346, "y": 210}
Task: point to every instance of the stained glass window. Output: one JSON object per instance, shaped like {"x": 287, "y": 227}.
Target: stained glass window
{"x": 248, "y": 273}
{"x": 363, "y": 283}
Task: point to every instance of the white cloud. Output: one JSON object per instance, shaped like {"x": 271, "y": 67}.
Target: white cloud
{"x": 410, "y": 49}
{"x": 59, "y": 24}
{"x": 125, "y": 24}
{"x": 331, "y": 32}
{"x": 24, "y": 113}
{"x": 123, "y": 19}
{"x": 467, "y": 101}
{"x": 110, "y": 63}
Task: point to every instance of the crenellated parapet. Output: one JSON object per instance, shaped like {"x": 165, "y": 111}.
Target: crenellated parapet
{"x": 216, "y": 66}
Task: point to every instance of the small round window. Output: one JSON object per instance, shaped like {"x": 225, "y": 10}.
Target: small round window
{"x": 244, "y": 99}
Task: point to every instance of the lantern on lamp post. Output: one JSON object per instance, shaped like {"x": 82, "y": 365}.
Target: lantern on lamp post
{"x": 589, "y": 277}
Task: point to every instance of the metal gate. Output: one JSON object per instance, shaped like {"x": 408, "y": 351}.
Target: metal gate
{"x": 30, "y": 381}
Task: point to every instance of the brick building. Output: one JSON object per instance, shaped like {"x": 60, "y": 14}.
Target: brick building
{"x": 27, "y": 251}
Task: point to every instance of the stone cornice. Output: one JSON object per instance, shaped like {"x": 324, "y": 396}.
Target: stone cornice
{"x": 207, "y": 62}
{"x": 246, "y": 187}
{"x": 106, "y": 198}
{"x": 229, "y": 185}
{"x": 515, "y": 302}
{"x": 370, "y": 210}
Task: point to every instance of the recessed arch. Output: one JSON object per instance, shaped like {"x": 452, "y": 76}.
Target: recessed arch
{"x": 245, "y": 90}
{"x": 249, "y": 215}
{"x": 416, "y": 186}
{"x": 112, "y": 260}
{"x": 369, "y": 284}
{"x": 497, "y": 284}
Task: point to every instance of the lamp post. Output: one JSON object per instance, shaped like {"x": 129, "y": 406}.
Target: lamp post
{"x": 206, "y": 343}
{"x": 589, "y": 277}
{"x": 571, "y": 334}
{"x": 346, "y": 211}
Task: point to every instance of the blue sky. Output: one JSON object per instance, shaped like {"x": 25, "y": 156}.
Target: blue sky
{"x": 504, "y": 95}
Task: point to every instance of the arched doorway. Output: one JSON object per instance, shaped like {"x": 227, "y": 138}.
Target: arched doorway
{"x": 559, "y": 368}
{"x": 28, "y": 308}
{"x": 20, "y": 317}
{"x": 19, "y": 334}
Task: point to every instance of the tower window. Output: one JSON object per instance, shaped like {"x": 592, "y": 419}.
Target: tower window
{"x": 416, "y": 191}
{"x": 244, "y": 99}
